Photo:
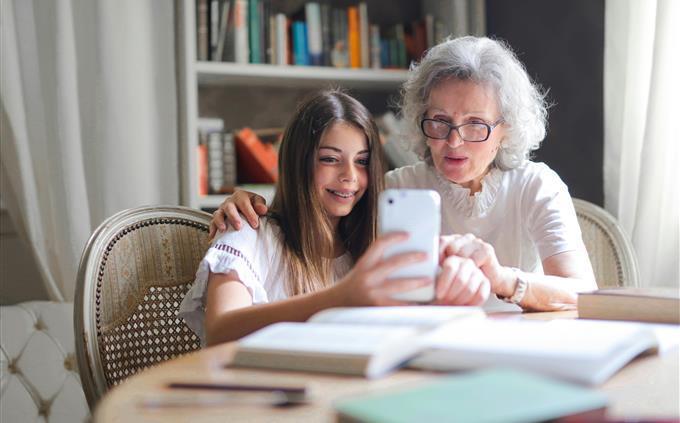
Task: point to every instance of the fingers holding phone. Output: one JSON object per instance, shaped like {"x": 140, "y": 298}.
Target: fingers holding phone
{"x": 371, "y": 281}
{"x": 416, "y": 212}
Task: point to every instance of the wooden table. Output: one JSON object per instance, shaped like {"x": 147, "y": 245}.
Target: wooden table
{"x": 648, "y": 387}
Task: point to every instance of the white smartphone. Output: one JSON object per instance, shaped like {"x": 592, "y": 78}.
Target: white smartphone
{"x": 418, "y": 212}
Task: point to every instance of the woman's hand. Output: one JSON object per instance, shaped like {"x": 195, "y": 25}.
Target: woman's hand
{"x": 369, "y": 283}
{"x": 483, "y": 256}
{"x": 251, "y": 205}
{"x": 461, "y": 282}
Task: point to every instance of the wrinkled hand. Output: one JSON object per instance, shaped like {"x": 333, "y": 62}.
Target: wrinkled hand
{"x": 368, "y": 283}
{"x": 461, "y": 282}
{"x": 482, "y": 255}
{"x": 251, "y": 205}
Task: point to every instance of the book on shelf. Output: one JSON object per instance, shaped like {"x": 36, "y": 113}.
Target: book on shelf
{"x": 314, "y": 35}
{"x": 252, "y": 31}
{"x": 241, "y": 37}
{"x": 202, "y": 35}
{"x": 582, "y": 351}
{"x": 367, "y": 341}
{"x": 257, "y": 160}
{"x": 515, "y": 397}
{"x": 657, "y": 305}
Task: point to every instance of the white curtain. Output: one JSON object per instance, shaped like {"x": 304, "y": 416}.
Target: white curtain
{"x": 642, "y": 139}
{"x": 88, "y": 120}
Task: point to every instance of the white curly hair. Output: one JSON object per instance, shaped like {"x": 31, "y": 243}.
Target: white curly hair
{"x": 486, "y": 61}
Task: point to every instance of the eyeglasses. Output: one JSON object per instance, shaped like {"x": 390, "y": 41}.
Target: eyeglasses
{"x": 470, "y": 132}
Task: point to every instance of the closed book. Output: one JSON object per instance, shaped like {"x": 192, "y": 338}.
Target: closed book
{"x": 314, "y": 35}
{"x": 215, "y": 168}
{"x": 353, "y": 37}
{"x": 214, "y": 28}
{"x": 202, "y": 34}
{"x": 300, "y": 52}
{"x": 582, "y": 351}
{"x": 364, "y": 341}
{"x": 364, "y": 36}
{"x": 223, "y": 31}
{"x": 281, "y": 39}
{"x": 257, "y": 161}
{"x": 657, "y": 305}
{"x": 254, "y": 30}
{"x": 327, "y": 39}
{"x": 202, "y": 166}
{"x": 495, "y": 395}
{"x": 229, "y": 161}
{"x": 375, "y": 47}
{"x": 241, "y": 47}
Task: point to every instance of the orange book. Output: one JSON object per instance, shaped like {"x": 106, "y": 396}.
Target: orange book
{"x": 257, "y": 161}
{"x": 353, "y": 37}
{"x": 202, "y": 155}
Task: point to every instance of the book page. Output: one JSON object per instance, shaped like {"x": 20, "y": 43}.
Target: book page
{"x": 325, "y": 338}
{"x": 412, "y": 316}
{"x": 557, "y": 338}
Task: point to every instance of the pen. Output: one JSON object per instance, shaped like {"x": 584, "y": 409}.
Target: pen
{"x": 288, "y": 390}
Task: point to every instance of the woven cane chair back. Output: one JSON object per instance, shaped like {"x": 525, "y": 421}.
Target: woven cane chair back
{"x": 133, "y": 274}
{"x": 611, "y": 253}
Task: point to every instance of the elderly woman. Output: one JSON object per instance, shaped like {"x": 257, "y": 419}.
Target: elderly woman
{"x": 474, "y": 117}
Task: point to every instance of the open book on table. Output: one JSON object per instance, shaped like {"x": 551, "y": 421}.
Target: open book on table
{"x": 372, "y": 341}
{"x": 366, "y": 341}
{"x": 581, "y": 351}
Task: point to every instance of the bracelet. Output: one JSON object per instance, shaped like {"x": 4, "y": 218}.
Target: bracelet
{"x": 520, "y": 288}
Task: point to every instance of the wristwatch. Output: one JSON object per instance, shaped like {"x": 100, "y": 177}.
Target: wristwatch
{"x": 520, "y": 288}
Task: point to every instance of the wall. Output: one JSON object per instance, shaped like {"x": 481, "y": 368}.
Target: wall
{"x": 562, "y": 45}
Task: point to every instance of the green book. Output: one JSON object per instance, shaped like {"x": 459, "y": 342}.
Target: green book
{"x": 496, "y": 395}
{"x": 254, "y": 30}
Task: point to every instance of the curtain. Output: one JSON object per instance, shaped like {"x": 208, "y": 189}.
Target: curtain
{"x": 641, "y": 145}
{"x": 88, "y": 117}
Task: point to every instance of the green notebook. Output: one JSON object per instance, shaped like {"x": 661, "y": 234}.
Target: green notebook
{"x": 484, "y": 396}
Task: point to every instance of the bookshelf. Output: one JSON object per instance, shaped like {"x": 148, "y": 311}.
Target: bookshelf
{"x": 233, "y": 90}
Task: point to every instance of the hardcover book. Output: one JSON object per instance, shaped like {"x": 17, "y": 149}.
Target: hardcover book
{"x": 366, "y": 341}
{"x": 514, "y": 396}
{"x": 657, "y": 305}
{"x": 372, "y": 341}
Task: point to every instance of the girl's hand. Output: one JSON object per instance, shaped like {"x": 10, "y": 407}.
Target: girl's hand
{"x": 482, "y": 254}
{"x": 368, "y": 283}
{"x": 251, "y": 205}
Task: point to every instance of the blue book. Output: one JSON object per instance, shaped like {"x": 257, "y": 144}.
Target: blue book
{"x": 503, "y": 396}
{"x": 300, "y": 50}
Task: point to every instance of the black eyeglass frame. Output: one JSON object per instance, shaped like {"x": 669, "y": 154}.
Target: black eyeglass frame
{"x": 489, "y": 128}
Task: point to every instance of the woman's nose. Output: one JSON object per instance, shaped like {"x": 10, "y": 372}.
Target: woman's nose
{"x": 454, "y": 140}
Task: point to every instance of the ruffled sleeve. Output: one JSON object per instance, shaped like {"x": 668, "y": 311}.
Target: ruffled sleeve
{"x": 244, "y": 252}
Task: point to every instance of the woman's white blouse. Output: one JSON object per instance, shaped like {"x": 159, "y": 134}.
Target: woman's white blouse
{"x": 526, "y": 213}
{"x": 255, "y": 256}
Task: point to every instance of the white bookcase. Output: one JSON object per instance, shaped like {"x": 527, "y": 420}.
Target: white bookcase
{"x": 218, "y": 79}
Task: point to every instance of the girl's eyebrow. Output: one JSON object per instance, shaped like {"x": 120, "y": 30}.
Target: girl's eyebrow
{"x": 340, "y": 151}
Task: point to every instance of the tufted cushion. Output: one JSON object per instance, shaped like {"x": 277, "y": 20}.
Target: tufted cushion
{"x": 39, "y": 379}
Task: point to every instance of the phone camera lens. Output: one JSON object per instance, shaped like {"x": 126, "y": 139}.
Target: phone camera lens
{"x": 390, "y": 201}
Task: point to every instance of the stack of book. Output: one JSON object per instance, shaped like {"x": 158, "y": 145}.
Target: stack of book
{"x": 252, "y": 31}
{"x": 228, "y": 158}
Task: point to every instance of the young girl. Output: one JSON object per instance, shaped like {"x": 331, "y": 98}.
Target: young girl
{"x": 321, "y": 222}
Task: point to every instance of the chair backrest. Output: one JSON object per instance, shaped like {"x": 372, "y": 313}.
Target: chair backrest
{"x": 133, "y": 274}
{"x": 611, "y": 252}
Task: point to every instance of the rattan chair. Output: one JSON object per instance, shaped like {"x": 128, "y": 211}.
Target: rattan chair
{"x": 133, "y": 274}
{"x": 611, "y": 252}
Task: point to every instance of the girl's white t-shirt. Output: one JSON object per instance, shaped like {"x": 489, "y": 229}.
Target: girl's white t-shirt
{"x": 526, "y": 213}
{"x": 255, "y": 256}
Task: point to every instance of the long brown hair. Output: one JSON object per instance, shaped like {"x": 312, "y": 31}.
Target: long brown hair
{"x": 307, "y": 234}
